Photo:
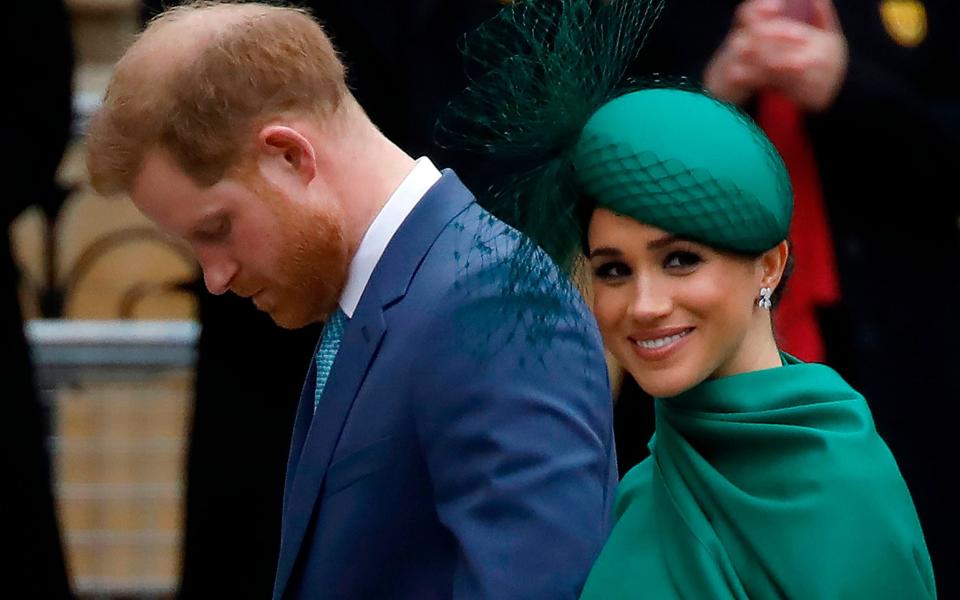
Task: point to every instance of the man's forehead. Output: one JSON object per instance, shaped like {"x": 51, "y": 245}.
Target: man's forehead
{"x": 158, "y": 169}
{"x": 167, "y": 195}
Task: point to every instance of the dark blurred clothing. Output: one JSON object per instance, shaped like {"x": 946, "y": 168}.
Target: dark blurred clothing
{"x": 404, "y": 65}
{"x": 887, "y": 150}
{"x": 40, "y": 54}
{"x": 633, "y": 424}
{"x": 248, "y": 380}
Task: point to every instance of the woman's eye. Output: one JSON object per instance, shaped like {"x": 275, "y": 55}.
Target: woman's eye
{"x": 611, "y": 270}
{"x": 682, "y": 260}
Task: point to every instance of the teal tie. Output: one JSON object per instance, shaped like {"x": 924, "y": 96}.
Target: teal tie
{"x": 327, "y": 353}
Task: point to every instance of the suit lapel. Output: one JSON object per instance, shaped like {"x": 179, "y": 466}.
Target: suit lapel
{"x": 315, "y": 436}
{"x": 361, "y": 338}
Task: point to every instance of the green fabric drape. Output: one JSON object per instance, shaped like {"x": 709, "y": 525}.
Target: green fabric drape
{"x": 768, "y": 484}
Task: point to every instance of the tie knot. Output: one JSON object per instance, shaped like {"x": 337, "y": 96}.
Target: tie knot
{"x": 327, "y": 353}
{"x": 335, "y": 323}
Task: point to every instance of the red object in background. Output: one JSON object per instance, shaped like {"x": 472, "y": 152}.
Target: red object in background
{"x": 814, "y": 282}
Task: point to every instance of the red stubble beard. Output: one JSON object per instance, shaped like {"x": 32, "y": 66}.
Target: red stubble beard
{"x": 312, "y": 271}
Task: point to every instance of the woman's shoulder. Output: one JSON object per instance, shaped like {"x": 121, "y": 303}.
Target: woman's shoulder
{"x": 634, "y": 486}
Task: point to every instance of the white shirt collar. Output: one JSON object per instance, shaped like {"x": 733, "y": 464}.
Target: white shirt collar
{"x": 413, "y": 187}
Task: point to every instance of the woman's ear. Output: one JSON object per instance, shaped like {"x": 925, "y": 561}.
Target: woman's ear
{"x": 773, "y": 262}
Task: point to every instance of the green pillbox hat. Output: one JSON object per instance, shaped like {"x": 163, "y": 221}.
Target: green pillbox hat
{"x": 686, "y": 163}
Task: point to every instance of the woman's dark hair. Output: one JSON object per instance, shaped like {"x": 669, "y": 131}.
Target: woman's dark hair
{"x": 584, "y": 212}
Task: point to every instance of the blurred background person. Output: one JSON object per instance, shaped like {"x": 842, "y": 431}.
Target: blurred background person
{"x": 41, "y": 70}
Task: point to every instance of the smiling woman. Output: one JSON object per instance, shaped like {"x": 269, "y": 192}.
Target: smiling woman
{"x": 766, "y": 477}
{"x": 758, "y": 459}
{"x": 676, "y": 312}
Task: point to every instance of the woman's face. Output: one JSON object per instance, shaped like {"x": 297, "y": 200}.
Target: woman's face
{"x": 675, "y": 312}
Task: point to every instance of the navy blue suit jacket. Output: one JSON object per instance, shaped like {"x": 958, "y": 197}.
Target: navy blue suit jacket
{"x": 452, "y": 456}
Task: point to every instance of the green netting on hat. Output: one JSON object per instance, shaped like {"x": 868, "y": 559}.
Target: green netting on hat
{"x": 552, "y": 105}
{"x": 540, "y": 70}
{"x": 688, "y": 164}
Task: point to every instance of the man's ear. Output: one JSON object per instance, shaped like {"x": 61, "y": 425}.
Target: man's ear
{"x": 285, "y": 152}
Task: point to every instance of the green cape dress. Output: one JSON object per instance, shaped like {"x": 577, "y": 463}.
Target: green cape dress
{"x": 769, "y": 484}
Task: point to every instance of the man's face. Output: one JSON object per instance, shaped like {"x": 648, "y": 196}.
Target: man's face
{"x": 285, "y": 253}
